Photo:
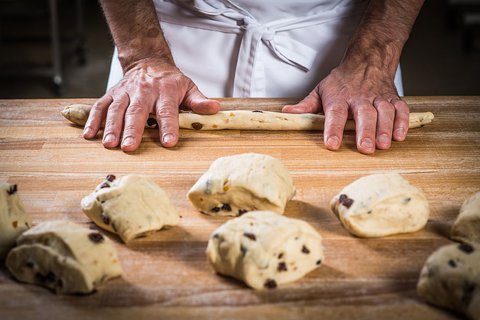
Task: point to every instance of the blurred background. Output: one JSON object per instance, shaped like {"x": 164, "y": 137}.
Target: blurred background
{"x": 55, "y": 48}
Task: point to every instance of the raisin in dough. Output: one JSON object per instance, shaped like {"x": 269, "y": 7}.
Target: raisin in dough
{"x": 265, "y": 249}
{"x": 13, "y": 219}
{"x": 451, "y": 279}
{"x": 131, "y": 206}
{"x": 63, "y": 256}
{"x": 236, "y": 184}
{"x": 380, "y": 205}
{"x": 467, "y": 225}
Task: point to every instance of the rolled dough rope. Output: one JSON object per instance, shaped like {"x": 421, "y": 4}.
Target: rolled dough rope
{"x": 243, "y": 120}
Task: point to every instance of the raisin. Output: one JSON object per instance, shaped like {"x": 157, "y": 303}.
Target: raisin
{"x": 215, "y": 209}
{"x": 105, "y": 219}
{"x": 270, "y": 284}
{"x": 29, "y": 264}
{"x": 258, "y": 111}
{"x": 345, "y": 200}
{"x": 280, "y": 256}
{"x": 468, "y": 289}
{"x": 282, "y": 266}
{"x": 15, "y": 224}
{"x": 48, "y": 278}
{"x": 226, "y": 207}
{"x": 152, "y": 122}
{"x": 216, "y": 236}
{"x": 95, "y": 237}
{"x": 452, "y": 263}
{"x": 319, "y": 261}
{"x": 406, "y": 200}
{"x": 111, "y": 177}
{"x": 305, "y": 250}
{"x": 13, "y": 189}
{"x": 104, "y": 185}
{"x": 242, "y": 211}
{"x": 465, "y": 247}
{"x": 243, "y": 250}
{"x": 197, "y": 125}
{"x": 250, "y": 236}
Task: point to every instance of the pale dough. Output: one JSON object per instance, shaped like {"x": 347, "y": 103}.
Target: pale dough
{"x": 63, "y": 256}
{"x": 380, "y": 205}
{"x": 236, "y": 184}
{"x": 451, "y": 279}
{"x": 467, "y": 225}
{"x": 13, "y": 219}
{"x": 130, "y": 206}
{"x": 264, "y": 249}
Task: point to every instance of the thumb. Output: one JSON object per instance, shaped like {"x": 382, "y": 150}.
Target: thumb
{"x": 198, "y": 103}
{"x": 310, "y": 104}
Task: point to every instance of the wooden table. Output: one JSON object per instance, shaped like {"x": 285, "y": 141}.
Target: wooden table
{"x": 167, "y": 275}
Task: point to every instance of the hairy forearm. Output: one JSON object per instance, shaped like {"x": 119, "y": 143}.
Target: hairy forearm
{"x": 382, "y": 33}
{"x": 136, "y": 31}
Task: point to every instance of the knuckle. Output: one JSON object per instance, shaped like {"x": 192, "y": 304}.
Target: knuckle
{"x": 337, "y": 111}
{"x": 135, "y": 109}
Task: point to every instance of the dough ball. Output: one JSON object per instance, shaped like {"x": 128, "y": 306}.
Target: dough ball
{"x": 451, "y": 279}
{"x": 467, "y": 226}
{"x": 13, "y": 219}
{"x": 245, "y": 182}
{"x": 131, "y": 206}
{"x": 380, "y": 205}
{"x": 64, "y": 257}
{"x": 265, "y": 249}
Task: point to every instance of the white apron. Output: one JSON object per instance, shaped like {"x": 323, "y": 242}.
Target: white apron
{"x": 256, "y": 48}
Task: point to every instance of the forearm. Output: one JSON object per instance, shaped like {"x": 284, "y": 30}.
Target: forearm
{"x": 382, "y": 33}
{"x": 136, "y": 31}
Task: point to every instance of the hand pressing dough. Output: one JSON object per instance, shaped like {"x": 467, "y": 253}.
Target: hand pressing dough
{"x": 467, "y": 226}
{"x": 13, "y": 219}
{"x": 380, "y": 205}
{"x": 242, "y": 120}
{"x": 265, "y": 249}
{"x": 64, "y": 257}
{"x": 131, "y": 206}
{"x": 451, "y": 279}
{"x": 236, "y": 184}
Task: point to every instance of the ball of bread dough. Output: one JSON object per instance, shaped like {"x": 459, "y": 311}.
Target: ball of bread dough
{"x": 380, "y": 205}
{"x": 13, "y": 219}
{"x": 130, "y": 206}
{"x": 467, "y": 225}
{"x": 450, "y": 278}
{"x": 236, "y": 184}
{"x": 265, "y": 249}
{"x": 64, "y": 257}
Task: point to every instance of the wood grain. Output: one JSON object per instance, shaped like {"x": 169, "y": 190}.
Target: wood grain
{"x": 167, "y": 275}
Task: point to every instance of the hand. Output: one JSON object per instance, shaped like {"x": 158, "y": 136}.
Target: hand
{"x": 150, "y": 86}
{"x": 364, "y": 92}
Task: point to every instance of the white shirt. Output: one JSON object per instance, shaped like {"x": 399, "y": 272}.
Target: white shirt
{"x": 257, "y": 48}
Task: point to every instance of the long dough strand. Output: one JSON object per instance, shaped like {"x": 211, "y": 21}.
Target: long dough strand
{"x": 242, "y": 120}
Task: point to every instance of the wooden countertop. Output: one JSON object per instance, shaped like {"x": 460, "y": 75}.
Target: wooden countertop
{"x": 167, "y": 275}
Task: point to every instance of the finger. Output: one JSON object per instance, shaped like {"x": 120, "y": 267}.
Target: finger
{"x": 365, "y": 117}
{"x": 336, "y": 114}
{"x": 97, "y": 114}
{"x": 385, "y": 118}
{"x": 167, "y": 118}
{"x": 310, "y": 104}
{"x": 400, "y": 126}
{"x": 198, "y": 103}
{"x": 114, "y": 122}
{"x": 136, "y": 116}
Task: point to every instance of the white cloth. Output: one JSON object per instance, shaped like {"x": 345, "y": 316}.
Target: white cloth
{"x": 262, "y": 48}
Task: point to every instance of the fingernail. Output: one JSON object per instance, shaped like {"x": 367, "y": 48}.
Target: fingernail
{"x": 333, "y": 141}
{"x": 87, "y": 131}
{"x": 400, "y": 133}
{"x": 384, "y": 139}
{"x": 167, "y": 138}
{"x": 128, "y": 141}
{"x": 366, "y": 143}
{"x": 109, "y": 138}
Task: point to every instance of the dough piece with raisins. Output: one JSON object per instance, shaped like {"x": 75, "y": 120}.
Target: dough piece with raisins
{"x": 13, "y": 219}
{"x": 467, "y": 225}
{"x": 130, "y": 206}
{"x": 380, "y": 205}
{"x": 245, "y": 182}
{"x": 63, "y": 256}
{"x": 450, "y": 279}
{"x": 265, "y": 249}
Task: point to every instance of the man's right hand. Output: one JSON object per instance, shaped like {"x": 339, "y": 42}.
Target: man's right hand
{"x": 149, "y": 86}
